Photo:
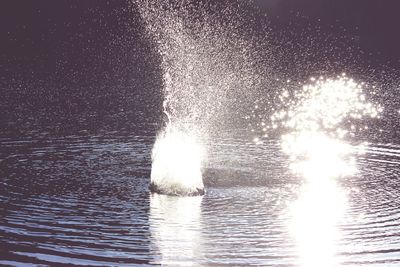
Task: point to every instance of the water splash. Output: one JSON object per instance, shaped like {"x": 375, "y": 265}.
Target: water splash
{"x": 206, "y": 63}
{"x": 177, "y": 162}
{"x": 198, "y": 60}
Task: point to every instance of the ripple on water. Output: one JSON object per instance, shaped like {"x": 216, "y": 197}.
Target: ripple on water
{"x": 85, "y": 201}
{"x": 74, "y": 201}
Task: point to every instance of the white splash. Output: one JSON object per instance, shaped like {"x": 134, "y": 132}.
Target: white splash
{"x": 205, "y": 59}
{"x": 177, "y": 163}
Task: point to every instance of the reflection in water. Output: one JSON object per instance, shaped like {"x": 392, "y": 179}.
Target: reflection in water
{"x": 316, "y": 215}
{"x": 320, "y": 156}
{"x": 322, "y": 202}
{"x": 317, "y": 156}
{"x": 175, "y": 228}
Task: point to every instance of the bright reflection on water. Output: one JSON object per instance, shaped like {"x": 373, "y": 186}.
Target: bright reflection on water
{"x": 314, "y": 226}
{"x": 318, "y": 154}
{"x": 322, "y": 202}
{"x": 175, "y": 225}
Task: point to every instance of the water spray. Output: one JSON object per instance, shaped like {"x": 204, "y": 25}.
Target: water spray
{"x": 203, "y": 61}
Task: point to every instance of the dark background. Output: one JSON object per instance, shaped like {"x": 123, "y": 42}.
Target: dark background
{"x": 374, "y": 24}
{"x": 68, "y": 66}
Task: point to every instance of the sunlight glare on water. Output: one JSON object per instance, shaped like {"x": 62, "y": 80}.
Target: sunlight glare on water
{"x": 314, "y": 227}
{"x": 324, "y": 105}
{"x": 322, "y": 202}
{"x": 319, "y": 154}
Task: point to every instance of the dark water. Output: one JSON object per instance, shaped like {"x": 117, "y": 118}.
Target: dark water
{"x": 83, "y": 200}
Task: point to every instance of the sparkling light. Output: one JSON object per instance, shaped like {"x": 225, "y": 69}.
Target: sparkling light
{"x": 324, "y": 105}
{"x": 313, "y": 120}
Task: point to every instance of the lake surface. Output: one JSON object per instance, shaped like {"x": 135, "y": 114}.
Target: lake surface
{"x": 84, "y": 200}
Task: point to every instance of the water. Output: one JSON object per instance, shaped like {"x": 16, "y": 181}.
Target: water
{"x": 84, "y": 200}
{"x": 298, "y": 171}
